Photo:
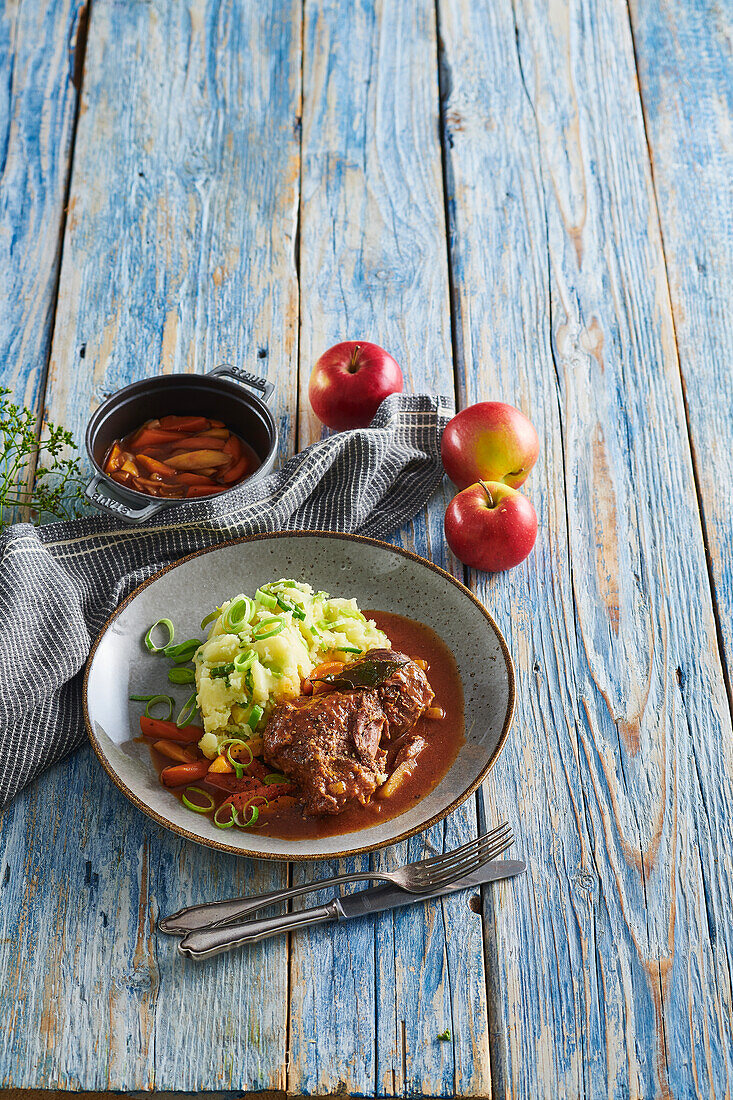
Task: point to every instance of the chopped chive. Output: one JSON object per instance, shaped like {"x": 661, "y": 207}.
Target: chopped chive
{"x": 164, "y": 624}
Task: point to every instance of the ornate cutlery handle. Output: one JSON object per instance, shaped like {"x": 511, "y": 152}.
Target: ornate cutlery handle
{"x": 213, "y": 941}
{"x": 216, "y": 913}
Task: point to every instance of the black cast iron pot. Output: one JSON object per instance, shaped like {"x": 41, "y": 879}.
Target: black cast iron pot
{"x": 222, "y": 394}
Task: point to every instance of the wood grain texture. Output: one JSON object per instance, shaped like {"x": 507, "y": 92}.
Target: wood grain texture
{"x": 611, "y": 960}
{"x": 368, "y": 1001}
{"x": 683, "y": 57}
{"x": 179, "y": 253}
{"x": 38, "y": 44}
{"x": 41, "y": 48}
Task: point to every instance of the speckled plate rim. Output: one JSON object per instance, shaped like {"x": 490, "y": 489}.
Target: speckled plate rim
{"x": 303, "y": 858}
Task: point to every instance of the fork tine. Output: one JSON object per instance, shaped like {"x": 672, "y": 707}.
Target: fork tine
{"x": 435, "y": 861}
{"x": 470, "y": 865}
{"x": 465, "y": 862}
{"x": 467, "y": 851}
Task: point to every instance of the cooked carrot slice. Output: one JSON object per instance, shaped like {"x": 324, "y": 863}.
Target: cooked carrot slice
{"x": 198, "y": 460}
{"x": 150, "y": 437}
{"x": 153, "y": 466}
{"x": 187, "y": 478}
{"x": 157, "y": 727}
{"x": 237, "y": 471}
{"x": 233, "y": 447}
{"x": 218, "y": 433}
{"x": 175, "y": 751}
{"x": 179, "y": 774}
{"x": 158, "y": 488}
{"x": 221, "y": 764}
{"x": 199, "y": 443}
{"x": 184, "y": 423}
{"x": 216, "y": 423}
{"x": 114, "y": 455}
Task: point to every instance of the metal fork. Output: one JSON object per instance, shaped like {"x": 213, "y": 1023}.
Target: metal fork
{"x": 424, "y": 877}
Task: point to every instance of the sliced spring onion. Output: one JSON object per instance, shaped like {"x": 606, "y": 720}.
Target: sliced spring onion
{"x": 164, "y": 624}
{"x": 192, "y": 805}
{"x": 268, "y": 628}
{"x": 239, "y": 767}
{"x": 255, "y": 811}
{"x": 338, "y": 624}
{"x": 274, "y": 780}
{"x": 187, "y": 712}
{"x": 266, "y": 599}
{"x": 152, "y": 701}
{"x": 183, "y": 651}
{"x": 243, "y": 661}
{"x": 286, "y": 605}
{"x": 181, "y": 675}
{"x": 255, "y": 716}
{"x": 315, "y": 631}
{"x": 237, "y": 614}
{"x": 210, "y": 618}
{"x": 232, "y": 816}
{"x": 221, "y": 670}
{"x": 349, "y": 649}
{"x": 157, "y": 700}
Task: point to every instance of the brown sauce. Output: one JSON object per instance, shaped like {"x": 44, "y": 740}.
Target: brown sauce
{"x": 444, "y": 737}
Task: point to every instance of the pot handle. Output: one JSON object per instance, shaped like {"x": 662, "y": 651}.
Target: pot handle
{"x": 127, "y": 513}
{"x": 254, "y": 380}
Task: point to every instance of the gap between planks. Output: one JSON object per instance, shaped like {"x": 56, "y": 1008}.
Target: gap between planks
{"x": 683, "y": 389}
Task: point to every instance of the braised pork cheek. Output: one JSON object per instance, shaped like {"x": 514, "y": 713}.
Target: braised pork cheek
{"x": 331, "y": 744}
{"x": 330, "y": 747}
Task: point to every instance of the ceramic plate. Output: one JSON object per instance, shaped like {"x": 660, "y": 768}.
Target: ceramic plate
{"x": 379, "y": 576}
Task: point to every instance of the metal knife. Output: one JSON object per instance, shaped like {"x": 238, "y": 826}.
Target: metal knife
{"x": 205, "y": 942}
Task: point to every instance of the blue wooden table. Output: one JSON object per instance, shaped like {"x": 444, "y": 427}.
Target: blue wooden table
{"x": 522, "y": 201}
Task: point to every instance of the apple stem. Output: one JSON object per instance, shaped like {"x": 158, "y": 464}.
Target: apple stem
{"x": 353, "y": 368}
{"x": 487, "y": 490}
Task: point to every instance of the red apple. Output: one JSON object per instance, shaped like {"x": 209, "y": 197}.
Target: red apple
{"x": 489, "y": 441}
{"x": 349, "y": 383}
{"x": 490, "y": 526}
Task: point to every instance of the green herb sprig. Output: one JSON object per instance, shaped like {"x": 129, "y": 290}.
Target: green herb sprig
{"x": 28, "y": 449}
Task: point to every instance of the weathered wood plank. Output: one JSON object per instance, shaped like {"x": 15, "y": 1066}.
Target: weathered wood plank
{"x": 686, "y": 80}
{"x": 611, "y": 960}
{"x": 41, "y": 47}
{"x": 179, "y": 253}
{"x": 368, "y": 1001}
{"x": 38, "y": 51}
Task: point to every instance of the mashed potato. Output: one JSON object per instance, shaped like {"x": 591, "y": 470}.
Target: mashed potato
{"x": 260, "y": 648}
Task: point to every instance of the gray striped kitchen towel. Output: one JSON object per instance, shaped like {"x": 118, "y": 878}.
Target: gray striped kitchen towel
{"x": 59, "y": 583}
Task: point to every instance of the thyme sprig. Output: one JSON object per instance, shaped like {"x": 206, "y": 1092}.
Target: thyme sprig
{"x": 41, "y": 453}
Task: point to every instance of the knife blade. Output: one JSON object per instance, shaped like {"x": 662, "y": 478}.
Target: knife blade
{"x": 207, "y": 942}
